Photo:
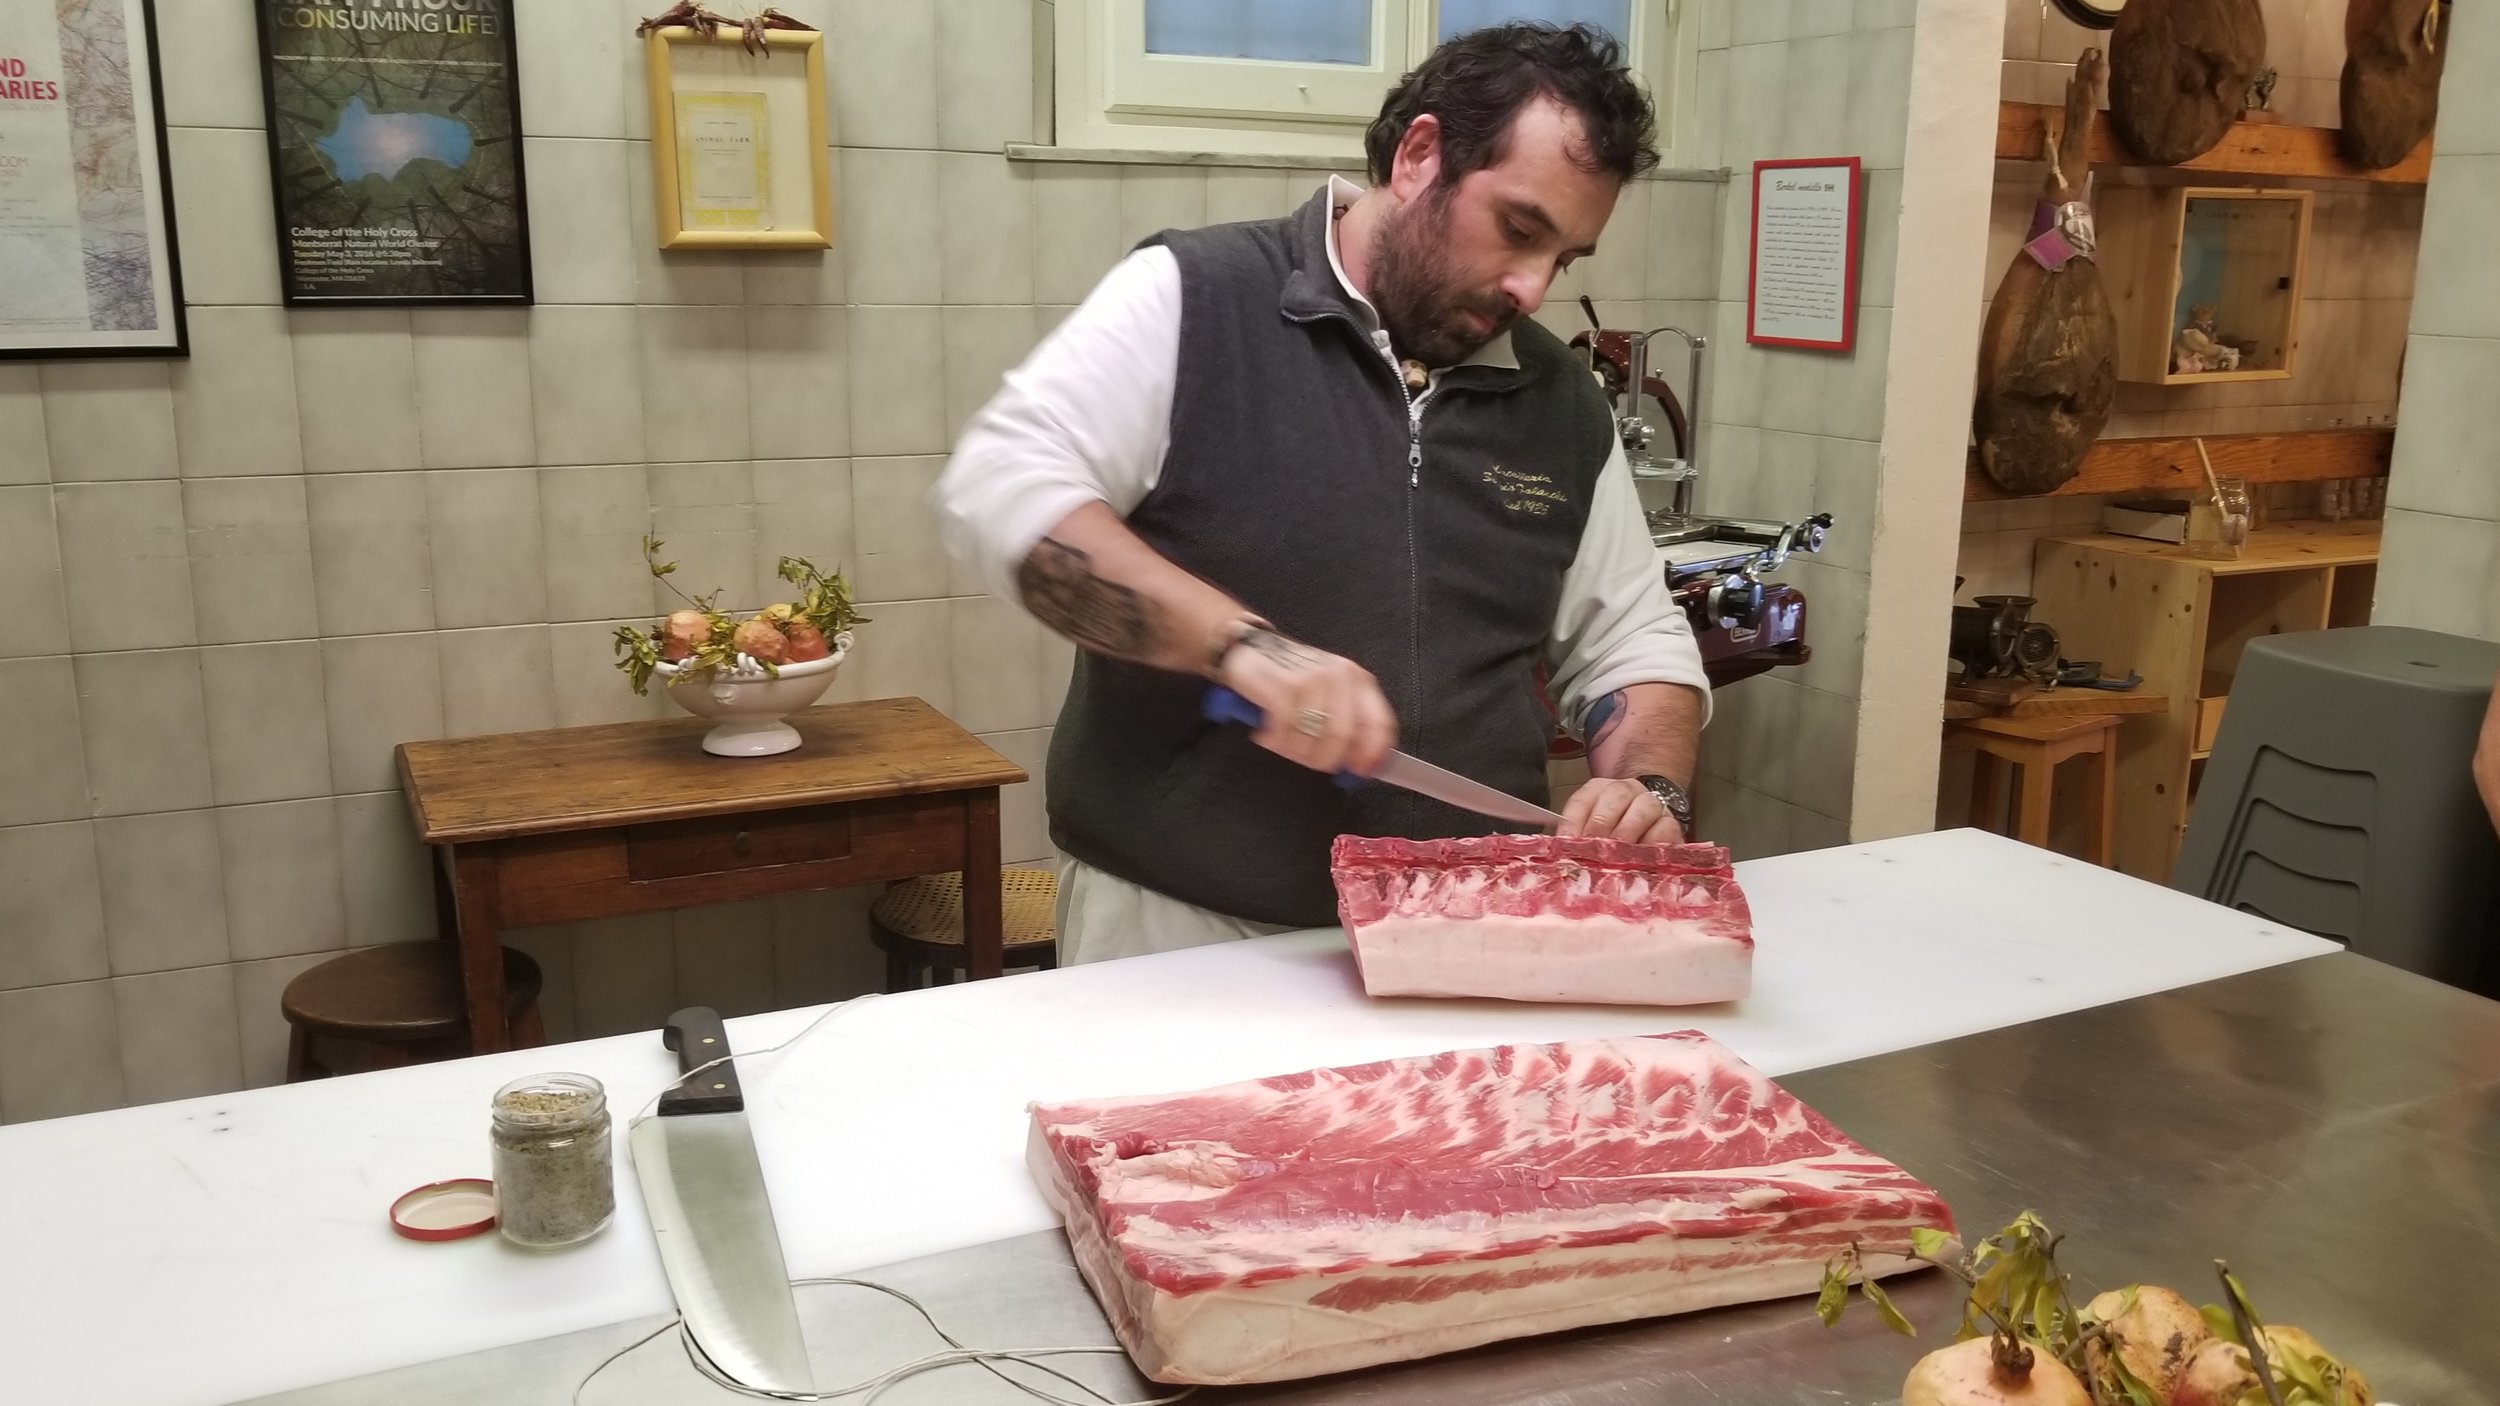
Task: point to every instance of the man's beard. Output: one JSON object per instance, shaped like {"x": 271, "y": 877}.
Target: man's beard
{"x": 1418, "y": 295}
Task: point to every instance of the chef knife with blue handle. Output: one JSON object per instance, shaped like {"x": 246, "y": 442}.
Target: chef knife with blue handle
{"x": 1401, "y": 770}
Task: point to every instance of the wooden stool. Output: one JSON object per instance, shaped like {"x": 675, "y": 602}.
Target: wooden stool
{"x": 919, "y": 925}
{"x": 2037, "y": 745}
{"x": 382, "y": 1007}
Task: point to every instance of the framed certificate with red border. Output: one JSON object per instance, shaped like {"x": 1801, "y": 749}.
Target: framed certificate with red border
{"x": 1801, "y": 287}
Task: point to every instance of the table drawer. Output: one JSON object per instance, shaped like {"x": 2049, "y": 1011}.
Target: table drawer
{"x": 722, "y": 859}
{"x": 723, "y": 844}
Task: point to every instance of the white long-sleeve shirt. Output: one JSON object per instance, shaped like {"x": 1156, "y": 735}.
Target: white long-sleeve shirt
{"x": 1087, "y": 418}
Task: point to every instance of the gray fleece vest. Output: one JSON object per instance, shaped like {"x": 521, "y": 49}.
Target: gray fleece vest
{"x": 1289, "y": 485}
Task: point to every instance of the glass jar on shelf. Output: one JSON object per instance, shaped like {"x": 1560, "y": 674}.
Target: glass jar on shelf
{"x": 2218, "y": 527}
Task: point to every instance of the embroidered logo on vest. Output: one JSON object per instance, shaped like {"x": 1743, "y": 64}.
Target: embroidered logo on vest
{"x": 1533, "y": 495}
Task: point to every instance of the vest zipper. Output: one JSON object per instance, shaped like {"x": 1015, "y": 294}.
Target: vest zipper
{"x": 1414, "y": 411}
{"x": 1415, "y": 401}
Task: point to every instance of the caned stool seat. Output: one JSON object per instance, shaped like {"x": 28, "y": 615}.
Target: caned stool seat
{"x": 381, "y": 1007}
{"x": 919, "y": 925}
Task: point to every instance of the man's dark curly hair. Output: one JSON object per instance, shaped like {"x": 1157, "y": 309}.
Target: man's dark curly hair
{"x": 1476, "y": 83}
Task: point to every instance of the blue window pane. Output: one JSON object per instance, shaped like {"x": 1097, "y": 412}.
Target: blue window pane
{"x": 1460, "y": 16}
{"x": 1286, "y": 31}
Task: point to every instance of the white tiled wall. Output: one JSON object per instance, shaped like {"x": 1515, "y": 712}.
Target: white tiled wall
{"x": 1787, "y": 433}
{"x": 2441, "y": 565}
{"x": 237, "y": 581}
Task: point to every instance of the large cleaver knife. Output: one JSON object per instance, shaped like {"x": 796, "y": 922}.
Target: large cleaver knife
{"x": 1402, "y": 771}
{"x": 705, "y": 1192}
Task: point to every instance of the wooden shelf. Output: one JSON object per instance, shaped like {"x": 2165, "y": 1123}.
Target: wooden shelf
{"x": 2168, "y": 463}
{"x": 2280, "y": 546}
{"x": 2270, "y": 149}
{"x": 2220, "y": 378}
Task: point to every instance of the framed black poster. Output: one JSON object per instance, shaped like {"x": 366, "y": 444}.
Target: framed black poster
{"x": 87, "y": 258}
{"x": 395, "y": 150}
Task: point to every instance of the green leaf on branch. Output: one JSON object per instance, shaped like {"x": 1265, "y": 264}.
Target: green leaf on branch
{"x": 1884, "y": 1308}
{"x": 1833, "y": 1299}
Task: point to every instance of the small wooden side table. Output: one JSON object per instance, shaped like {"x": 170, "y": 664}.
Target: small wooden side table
{"x": 595, "y": 822}
{"x": 2036, "y": 746}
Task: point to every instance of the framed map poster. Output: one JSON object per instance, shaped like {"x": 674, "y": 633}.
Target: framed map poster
{"x": 87, "y": 258}
{"x": 395, "y": 151}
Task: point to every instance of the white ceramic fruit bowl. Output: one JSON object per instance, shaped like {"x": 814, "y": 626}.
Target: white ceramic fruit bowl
{"x": 750, "y": 704}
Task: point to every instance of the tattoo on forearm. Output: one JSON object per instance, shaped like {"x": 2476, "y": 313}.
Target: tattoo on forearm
{"x": 1062, "y": 591}
{"x": 1281, "y": 652}
{"x": 1605, "y": 715}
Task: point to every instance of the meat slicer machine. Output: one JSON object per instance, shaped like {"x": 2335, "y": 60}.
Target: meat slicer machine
{"x": 1716, "y": 567}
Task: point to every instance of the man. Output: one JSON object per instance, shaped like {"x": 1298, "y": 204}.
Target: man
{"x": 1328, "y": 462}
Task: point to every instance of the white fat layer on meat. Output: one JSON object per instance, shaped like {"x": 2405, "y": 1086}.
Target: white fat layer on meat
{"x": 1550, "y": 957}
{"x": 1415, "y": 1108}
{"x": 1350, "y": 1295}
{"x": 1274, "y": 1332}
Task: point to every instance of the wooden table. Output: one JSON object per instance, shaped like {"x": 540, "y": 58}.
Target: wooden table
{"x": 595, "y": 822}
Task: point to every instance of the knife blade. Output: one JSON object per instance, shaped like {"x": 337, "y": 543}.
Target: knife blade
{"x": 1402, "y": 770}
{"x": 704, "y": 1189}
{"x": 1424, "y": 779}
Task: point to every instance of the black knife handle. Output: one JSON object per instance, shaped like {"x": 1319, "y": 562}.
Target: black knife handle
{"x": 695, "y": 1033}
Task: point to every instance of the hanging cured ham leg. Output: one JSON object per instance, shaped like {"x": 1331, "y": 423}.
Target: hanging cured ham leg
{"x": 2179, "y": 72}
{"x": 2394, "y": 50}
{"x": 2048, "y": 354}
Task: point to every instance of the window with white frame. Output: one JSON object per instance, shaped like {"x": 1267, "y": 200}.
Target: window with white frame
{"x": 1299, "y": 77}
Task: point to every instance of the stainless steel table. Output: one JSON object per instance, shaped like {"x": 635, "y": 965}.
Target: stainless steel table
{"x": 2331, "y": 1127}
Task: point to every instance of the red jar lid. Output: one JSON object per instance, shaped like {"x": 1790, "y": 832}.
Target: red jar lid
{"x": 445, "y": 1210}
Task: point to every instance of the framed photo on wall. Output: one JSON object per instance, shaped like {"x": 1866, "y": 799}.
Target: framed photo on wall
{"x": 1808, "y": 224}
{"x": 88, "y": 265}
{"x": 738, "y": 138}
{"x": 395, "y": 151}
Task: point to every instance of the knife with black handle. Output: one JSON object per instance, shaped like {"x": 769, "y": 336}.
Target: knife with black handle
{"x": 704, "y": 1189}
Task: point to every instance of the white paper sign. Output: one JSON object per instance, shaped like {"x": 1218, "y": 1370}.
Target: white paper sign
{"x": 1804, "y": 230}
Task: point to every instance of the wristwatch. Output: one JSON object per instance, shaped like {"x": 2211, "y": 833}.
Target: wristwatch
{"x": 1671, "y": 796}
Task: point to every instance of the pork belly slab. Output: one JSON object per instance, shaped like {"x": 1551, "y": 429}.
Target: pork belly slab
{"x": 1541, "y": 918}
{"x": 1319, "y": 1222}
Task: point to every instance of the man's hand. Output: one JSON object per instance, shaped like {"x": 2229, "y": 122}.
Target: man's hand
{"x": 1323, "y": 711}
{"x": 1614, "y": 808}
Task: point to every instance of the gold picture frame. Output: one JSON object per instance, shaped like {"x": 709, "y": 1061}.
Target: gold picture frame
{"x": 725, "y": 172}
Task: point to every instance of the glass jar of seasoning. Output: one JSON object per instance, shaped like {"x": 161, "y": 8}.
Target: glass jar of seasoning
{"x": 555, "y": 1177}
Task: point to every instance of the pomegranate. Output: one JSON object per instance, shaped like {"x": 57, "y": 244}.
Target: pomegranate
{"x": 2156, "y": 1337}
{"x": 682, "y": 632}
{"x": 2221, "y": 1375}
{"x": 806, "y": 642}
{"x": 1992, "y": 1371}
{"x": 761, "y": 640}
